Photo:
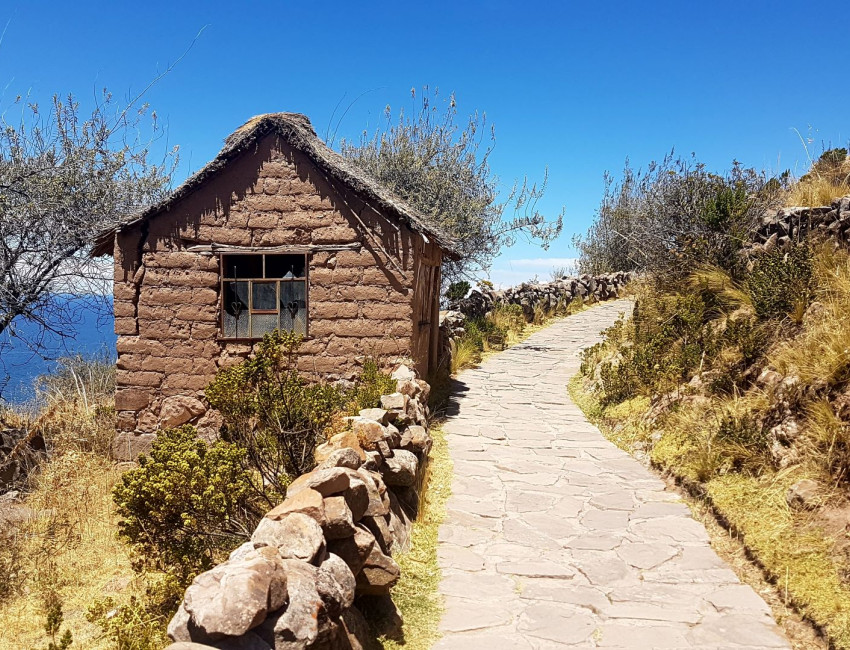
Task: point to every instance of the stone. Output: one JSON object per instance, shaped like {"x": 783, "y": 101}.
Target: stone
{"x": 296, "y": 536}
{"x": 179, "y": 626}
{"x": 394, "y": 402}
{"x": 179, "y": 409}
{"x": 235, "y": 597}
{"x": 377, "y": 504}
{"x": 308, "y": 502}
{"x": 399, "y": 523}
{"x": 298, "y": 625}
{"x": 400, "y": 469}
{"x": 380, "y": 528}
{"x": 344, "y": 440}
{"x": 354, "y": 550}
{"x": 803, "y": 494}
{"x": 241, "y": 552}
{"x": 376, "y": 414}
{"x": 336, "y": 584}
{"x": 189, "y": 645}
{"x": 326, "y": 482}
{"x": 379, "y": 573}
{"x": 417, "y": 439}
{"x": 127, "y": 446}
{"x": 357, "y": 496}
{"x": 339, "y": 522}
{"x": 403, "y": 373}
{"x": 408, "y": 387}
{"x": 357, "y": 630}
{"x": 345, "y": 457}
{"x": 369, "y": 432}
{"x": 384, "y": 449}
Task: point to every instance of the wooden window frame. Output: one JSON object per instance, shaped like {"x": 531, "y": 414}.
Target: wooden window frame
{"x": 251, "y": 280}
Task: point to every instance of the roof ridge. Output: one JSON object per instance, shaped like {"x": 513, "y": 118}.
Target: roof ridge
{"x": 298, "y": 131}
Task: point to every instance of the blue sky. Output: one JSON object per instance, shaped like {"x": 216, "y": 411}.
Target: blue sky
{"x": 577, "y": 87}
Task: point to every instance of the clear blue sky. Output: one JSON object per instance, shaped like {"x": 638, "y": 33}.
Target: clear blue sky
{"x": 575, "y": 87}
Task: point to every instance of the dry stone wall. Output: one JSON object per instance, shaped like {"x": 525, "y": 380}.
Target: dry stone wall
{"x": 323, "y": 555}
{"x": 780, "y": 228}
{"x": 532, "y": 296}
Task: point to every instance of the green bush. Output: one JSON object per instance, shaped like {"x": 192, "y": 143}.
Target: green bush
{"x": 186, "y": 505}
{"x": 132, "y": 626}
{"x": 782, "y": 284}
{"x": 273, "y": 414}
{"x": 371, "y": 384}
{"x": 458, "y": 290}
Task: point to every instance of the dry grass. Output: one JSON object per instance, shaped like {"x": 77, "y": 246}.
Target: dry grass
{"x": 817, "y": 191}
{"x": 417, "y": 592}
{"x": 65, "y": 528}
{"x": 821, "y": 354}
{"x": 70, "y": 547}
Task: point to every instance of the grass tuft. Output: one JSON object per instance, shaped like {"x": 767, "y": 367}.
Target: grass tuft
{"x": 417, "y": 592}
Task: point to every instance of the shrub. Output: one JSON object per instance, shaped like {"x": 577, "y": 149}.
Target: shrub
{"x": 131, "y": 626}
{"x": 273, "y": 414}
{"x": 507, "y": 318}
{"x": 457, "y": 290}
{"x": 782, "y": 284}
{"x": 186, "y": 504}
{"x": 674, "y": 217}
{"x": 371, "y": 384}
{"x": 53, "y": 623}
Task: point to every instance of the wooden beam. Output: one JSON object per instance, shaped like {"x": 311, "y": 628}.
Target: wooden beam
{"x": 306, "y": 248}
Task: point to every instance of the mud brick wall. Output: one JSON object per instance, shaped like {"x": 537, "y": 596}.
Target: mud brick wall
{"x": 167, "y": 307}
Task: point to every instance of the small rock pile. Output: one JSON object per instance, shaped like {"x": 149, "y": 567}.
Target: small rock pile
{"x": 324, "y": 554}
{"x": 780, "y": 228}
{"x": 549, "y": 295}
{"x": 20, "y": 452}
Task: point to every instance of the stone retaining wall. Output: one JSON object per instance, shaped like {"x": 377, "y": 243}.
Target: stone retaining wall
{"x": 548, "y": 295}
{"x": 530, "y": 297}
{"x": 780, "y": 228}
{"x": 324, "y": 555}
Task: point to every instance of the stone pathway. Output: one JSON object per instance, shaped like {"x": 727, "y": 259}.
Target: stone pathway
{"x": 556, "y": 538}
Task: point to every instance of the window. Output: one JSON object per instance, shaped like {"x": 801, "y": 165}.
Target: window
{"x": 262, "y": 293}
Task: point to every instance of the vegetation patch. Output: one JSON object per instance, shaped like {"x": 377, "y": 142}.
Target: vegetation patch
{"x": 417, "y": 592}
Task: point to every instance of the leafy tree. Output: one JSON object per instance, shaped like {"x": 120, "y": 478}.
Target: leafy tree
{"x": 186, "y": 504}
{"x": 442, "y": 168}
{"x": 64, "y": 178}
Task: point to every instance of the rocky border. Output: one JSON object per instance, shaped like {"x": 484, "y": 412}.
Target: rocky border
{"x": 781, "y": 228}
{"x": 324, "y": 555}
{"x": 530, "y": 296}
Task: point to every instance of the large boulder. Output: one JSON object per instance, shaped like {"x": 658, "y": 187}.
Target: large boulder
{"x": 233, "y": 598}
{"x": 333, "y": 480}
{"x": 400, "y": 470}
{"x": 295, "y": 536}
{"x": 307, "y": 502}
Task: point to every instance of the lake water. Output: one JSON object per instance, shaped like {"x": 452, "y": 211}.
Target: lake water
{"x": 91, "y": 333}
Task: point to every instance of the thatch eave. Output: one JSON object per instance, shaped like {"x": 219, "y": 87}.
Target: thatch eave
{"x": 296, "y": 130}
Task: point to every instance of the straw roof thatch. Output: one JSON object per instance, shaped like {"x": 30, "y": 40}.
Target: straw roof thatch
{"x": 298, "y": 132}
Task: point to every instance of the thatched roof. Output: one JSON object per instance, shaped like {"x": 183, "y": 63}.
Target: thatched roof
{"x": 298, "y": 132}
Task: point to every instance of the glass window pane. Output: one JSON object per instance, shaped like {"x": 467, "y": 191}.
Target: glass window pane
{"x": 264, "y": 295}
{"x": 293, "y": 307}
{"x": 243, "y": 266}
{"x": 235, "y": 310}
{"x": 285, "y": 266}
{"x": 262, "y": 324}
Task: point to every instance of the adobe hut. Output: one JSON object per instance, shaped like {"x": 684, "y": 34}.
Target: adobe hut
{"x": 278, "y": 231}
